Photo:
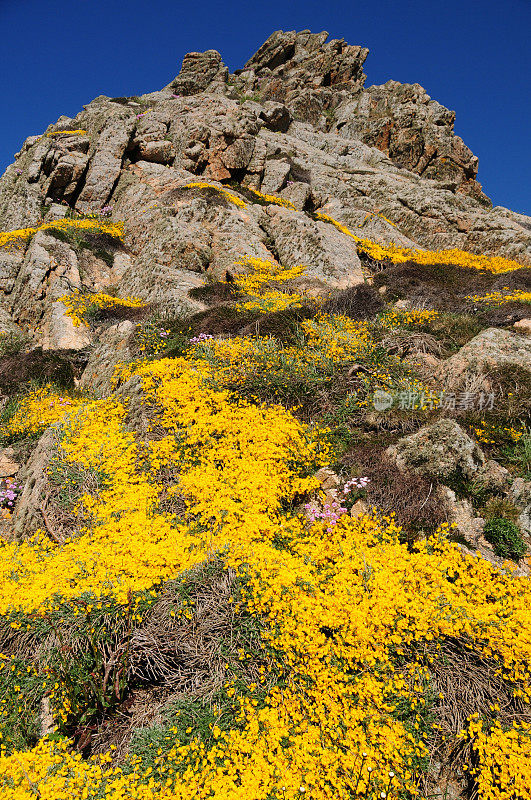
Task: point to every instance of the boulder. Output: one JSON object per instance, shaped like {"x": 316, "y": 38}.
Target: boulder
{"x": 199, "y": 72}
{"x": 59, "y": 332}
{"x": 27, "y": 516}
{"x": 276, "y": 116}
{"x": 9, "y": 466}
{"x": 439, "y": 450}
{"x": 465, "y": 522}
{"x": 415, "y": 131}
{"x": 491, "y": 348}
{"x": 523, "y": 326}
{"x": 520, "y": 494}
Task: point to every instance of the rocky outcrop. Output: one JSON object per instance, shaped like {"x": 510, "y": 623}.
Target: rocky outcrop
{"x": 523, "y": 326}
{"x": 33, "y": 478}
{"x": 444, "y": 450}
{"x": 112, "y": 349}
{"x": 50, "y": 269}
{"x": 491, "y": 348}
{"x": 297, "y": 122}
{"x": 9, "y": 466}
{"x": 305, "y": 72}
{"x": 416, "y": 132}
{"x": 521, "y": 496}
{"x": 330, "y": 256}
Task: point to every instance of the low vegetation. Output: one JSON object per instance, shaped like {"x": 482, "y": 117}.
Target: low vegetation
{"x": 201, "y": 615}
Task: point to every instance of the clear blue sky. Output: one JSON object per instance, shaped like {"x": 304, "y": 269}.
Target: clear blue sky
{"x": 471, "y": 55}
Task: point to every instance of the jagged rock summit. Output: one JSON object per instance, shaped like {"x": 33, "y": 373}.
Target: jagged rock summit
{"x": 296, "y": 122}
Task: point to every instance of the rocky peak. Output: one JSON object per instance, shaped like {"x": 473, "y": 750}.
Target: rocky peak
{"x": 294, "y": 122}
{"x": 199, "y": 72}
{"x": 307, "y": 60}
{"x": 305, "y": 72}
{"x": 321, "y": 82}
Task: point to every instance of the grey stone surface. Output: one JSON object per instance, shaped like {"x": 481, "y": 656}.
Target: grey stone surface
{"x": 329, "y": 255}
{"x": 491, "y": 348}
{"x": 112, "y": 349}
{"x": 439, "y": 450}
{"x": 27, "y": 516}
{"x": 521, "y": 496}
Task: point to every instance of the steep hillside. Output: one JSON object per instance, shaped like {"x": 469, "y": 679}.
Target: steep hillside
{"x": 265, "y": 477}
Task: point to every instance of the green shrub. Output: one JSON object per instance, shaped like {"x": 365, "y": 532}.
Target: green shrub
{"x": 505, "y": 537}
{"x": 520, "y": 455}
{"x": 451, "y": 329}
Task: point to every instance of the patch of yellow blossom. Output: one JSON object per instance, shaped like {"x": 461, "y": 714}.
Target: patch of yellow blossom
{"x": 396, "y": 318}
{"x": 36, "y": 410}
{"x": 152, "y": 338}
{"x": 77, "y": 304}
{"x": 499, "y": 298}
{"x": 232, "y": 198}
{"x": 339, "y": 608}
{"x": 78, "y": 132}
{"x": 337, "y": 337}
{"x": 489, "y": 433}
{"x": 122, "y": 372}
{"x": 330, "y": 341}
{"x": 399, "y": 255}
{"x": 254, "y": 283}
{"x": 91, "y": 224}
{"x": 503, "y": 768}
{"x": 272, "y": 198}
{"x": 131, "y": 546}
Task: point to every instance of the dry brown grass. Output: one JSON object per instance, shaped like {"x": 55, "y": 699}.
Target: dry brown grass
{"x": 435, "y": 286}
{"x": 405, "y": 343}
{"x": 165, "y": 657}
{"x": 358, "y": 302}
{"x": 60, "y": 367}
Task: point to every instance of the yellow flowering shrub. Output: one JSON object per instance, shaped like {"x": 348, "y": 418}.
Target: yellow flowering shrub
{"x": 91, "y": 224}
{"x": 397, "y": 318}
{"x": 334, "y": 728}
{"x": 491, "y": 433}
{"x": 399, "y": 255}
{"x": 108, "y": 555}
{"x": 503, "y": 771}
{"x": 254, "y": 283}
{"x": 152, "y": 338}
{"x": 499, "y": 298}
{"x": 265, "y": 366}
{"x": 77, "y": 132}
{"x": 337, "y": 337}
{"x": 36, "y": 410}
{"x": 352, "y": 617}
{"x": 272, "y": 198}
{"x": 246, "y": 361}
{"x": 232, "y": 198}
{"x": 78, "y": 304}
